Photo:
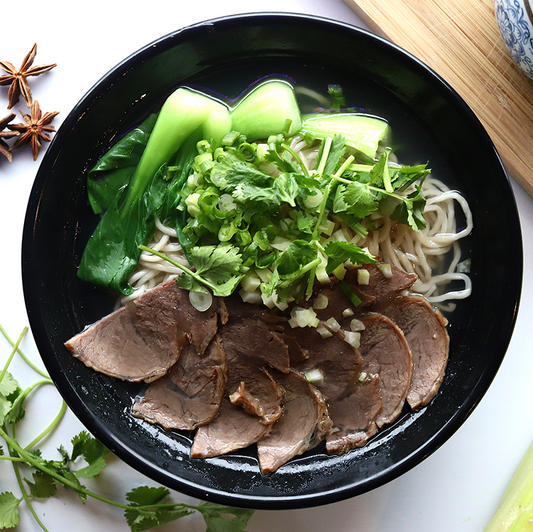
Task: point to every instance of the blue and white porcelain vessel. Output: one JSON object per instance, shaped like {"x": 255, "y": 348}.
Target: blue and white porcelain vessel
{"x": 515, "y": 22}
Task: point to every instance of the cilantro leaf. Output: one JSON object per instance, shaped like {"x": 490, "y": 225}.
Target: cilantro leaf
{"x": 411, "y": 211}
{"x": 93, "y": 469}
{"x": 290, "y": 266}
{"x": 146, "y": 496}
{"x": 305, "y": 223}
{"x": 8, "y": 384}
{"x": 9, "y": 513}
{"x": 10, "y": 399}
{"x": 287, "y": 188}
{"x": 93, "y": 452}
{"x": 216, "y": 263}
{"x": 337, "y": 95}
{"x": 62, "y": 469}
{"x": 42, "y": 486}
{"x": 379, "y": 175}
{"x": 140, "y": 519}
{"x": 219, "y": 265}
{"x": 294, "y": 258}
{"x": 232, "y": 171}
{"x": 246, "y": 192}
{"x": 87, "y": 446}
{"x": 17, "y": 411}
{"x": 407, "y": 175}
{"x": 355, "y": 199}
{"x": 333, "y": 155}
{"x": 339, "y": 252}
{"x": 5, "y": 408}
{"x": 223, "y": 518}
{"x": 283, "y": 162}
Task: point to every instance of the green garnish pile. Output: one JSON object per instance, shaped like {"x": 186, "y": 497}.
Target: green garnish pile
{"x": 241, "y": 220}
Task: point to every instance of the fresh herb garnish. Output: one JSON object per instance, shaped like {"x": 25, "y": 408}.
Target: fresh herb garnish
{"x": 144, "y": 507}
{"x": 243, "y": 220}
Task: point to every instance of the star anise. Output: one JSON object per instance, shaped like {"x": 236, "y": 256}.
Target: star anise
{"x": 6, "y": 135}
{"x": 35, "y": 129}
{"x": 17, "y": 78}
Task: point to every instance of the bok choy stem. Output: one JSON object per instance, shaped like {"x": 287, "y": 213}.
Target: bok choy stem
{"x": 182, "y": 113}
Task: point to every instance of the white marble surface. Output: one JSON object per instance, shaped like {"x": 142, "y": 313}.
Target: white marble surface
{"x": 457, "y": 488}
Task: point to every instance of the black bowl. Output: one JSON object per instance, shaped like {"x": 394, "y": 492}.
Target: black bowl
{"x": 430, "y": 122}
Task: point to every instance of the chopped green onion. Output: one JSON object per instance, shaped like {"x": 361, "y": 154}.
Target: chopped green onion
{"x": 363, "y": 276}
{"x": 201, "y": 301}
{"x": 386, "y": 270}
{"x": 357, "y": 325}
{"x": 314, "y": 376}
{"x": 352, "y": 338}
{"x": 350, "y": 294}
{"x": 321, "y": 302}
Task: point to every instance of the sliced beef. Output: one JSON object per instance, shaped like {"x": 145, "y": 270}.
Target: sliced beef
{"x": 338, "y": 362}
{"x": 189, "y": 395}
{"x": 246, "y": 345}
{"x": 251, "y": 339}
{"x": 425, "y": 331}
{"x": 336, "y": 303}
{"x": 114, "y": 346}
{"x": 354, "y": 417}
{"x": 144, "y": 339}
{"x": 386, "y": 353}
{"x": 296, "y": 353}
{"x": 232, "y": 429}
{"x": 169, "y": 304}
{"x": 303, "y": 424}
{"x": 320, "y": 350}
{"x": 380, "y": 286}
{"x": 238, "y": 310}
{"x": 256, "y": 392}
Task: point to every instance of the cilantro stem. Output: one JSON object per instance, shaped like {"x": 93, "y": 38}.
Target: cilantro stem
{"x": 297, "y": 158}
{"x": 311, "y": 281}
{"x": 48, "y": 429}
{"x": 24, "y": 357}
{"x": 322, "y": 209}
{"x": 327, "y": 192}
{"x": 324, "y": 156}
{"x": 12, "y": 458}
{"x": 23, "y": 490}
{"x": 15, "y": 349}
{"x": 391, "y": 194}
{"x": 26, "y": 498}
{"x": 309, "y": 266}
{"x": 343, "y": 167}
{"x": 361, "y": 167}
{"x": 195, "y": 275}
{"x": 34, "y": 462}
{"x": 37, "y": 464}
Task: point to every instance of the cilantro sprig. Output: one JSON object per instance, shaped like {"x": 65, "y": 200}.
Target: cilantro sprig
{"x": 144, "y": 507}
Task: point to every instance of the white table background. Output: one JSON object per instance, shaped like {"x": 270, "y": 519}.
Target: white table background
{"x": 455, "y": 489}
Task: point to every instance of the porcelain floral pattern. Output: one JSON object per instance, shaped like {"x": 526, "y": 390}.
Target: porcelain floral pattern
{"x": 516, "y": 30}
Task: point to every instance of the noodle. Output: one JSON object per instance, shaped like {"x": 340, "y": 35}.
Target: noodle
{"x": 153, "y": 270}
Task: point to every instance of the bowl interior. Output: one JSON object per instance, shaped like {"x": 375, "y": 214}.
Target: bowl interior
{"x": 429, "y": 122}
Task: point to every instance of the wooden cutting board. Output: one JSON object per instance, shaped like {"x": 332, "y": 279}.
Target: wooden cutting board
{"x": 459, "y": 39}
